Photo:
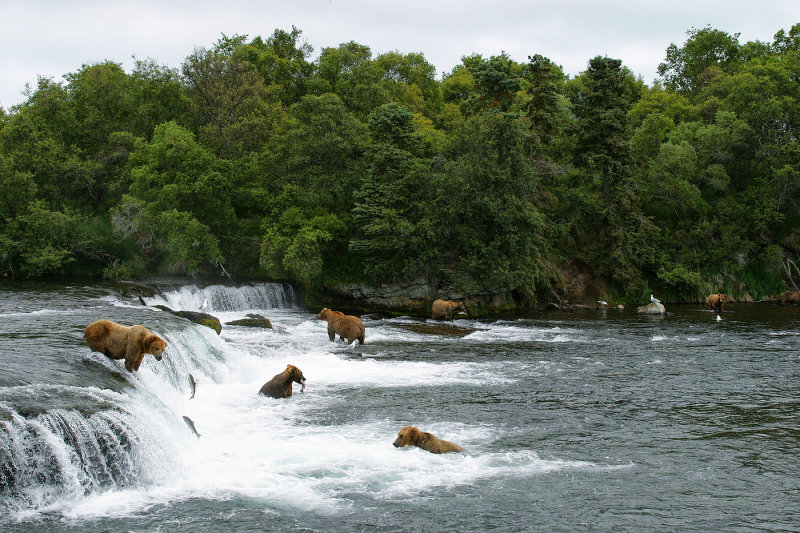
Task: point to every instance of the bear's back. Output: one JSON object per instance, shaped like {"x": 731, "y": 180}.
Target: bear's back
{"x": 107, "y": 337}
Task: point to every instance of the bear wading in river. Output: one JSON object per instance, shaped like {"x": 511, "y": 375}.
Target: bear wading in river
{"x": 123, "y": 342}
{"x": 412, "y": 436}
{"x": 280, "y": 386}
{"x": 347, "y": 327}
{"x": 790, "y": 297}
{"x": 716, "y": 302}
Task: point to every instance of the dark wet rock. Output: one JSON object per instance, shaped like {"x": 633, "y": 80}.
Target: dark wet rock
{"x": 444, "y": 330}
{"x": 412, "y": 297}
{"x": 204, "y": 319}
{"x": 252, "y": 321}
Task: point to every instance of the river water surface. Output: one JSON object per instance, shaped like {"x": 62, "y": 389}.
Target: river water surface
{"x": 569, "y": 422}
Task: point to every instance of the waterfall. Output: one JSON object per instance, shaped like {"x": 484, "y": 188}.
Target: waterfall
{"x": 225, "y": 298}
{"x": 60, "y": 443}
{"x": 98, "y": 441}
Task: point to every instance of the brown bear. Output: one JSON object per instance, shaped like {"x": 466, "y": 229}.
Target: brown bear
{"x": 123, "y": 342}
{"x": 445, "y": 309}
{"x": 412, "y": 436}
{"x": 280, "y": 386}
{"x": 716, "y": 302}
{"x": 790, "y": 297}
{"x": 347, "y": 327}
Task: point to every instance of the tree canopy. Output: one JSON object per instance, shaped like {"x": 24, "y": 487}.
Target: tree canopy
{"x": 255, "y": 158}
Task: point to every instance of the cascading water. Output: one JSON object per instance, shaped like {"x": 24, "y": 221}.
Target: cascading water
{"x": 594, "y": 420}
{"x": 97, "y": 442}
{"x": 59, "y": 443}
{"x": 222, "y": 298}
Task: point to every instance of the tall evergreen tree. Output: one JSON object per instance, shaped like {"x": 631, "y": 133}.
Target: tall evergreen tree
{"x": 392, "y": 210}
{"x": 603, "y": 151}
{"x": 543, "y": 107}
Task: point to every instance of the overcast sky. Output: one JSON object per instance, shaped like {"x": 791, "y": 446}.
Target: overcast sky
{"x": 51, "y": 38}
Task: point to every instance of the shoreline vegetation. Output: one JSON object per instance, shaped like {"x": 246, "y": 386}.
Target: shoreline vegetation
{"x": 366, "y": 180}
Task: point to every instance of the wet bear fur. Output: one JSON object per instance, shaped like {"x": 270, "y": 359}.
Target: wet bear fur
{"x": 412, "y": 436}
{"x": 790, "y": 297}
{"x": 446, "y": 309}
{"x": 280, "y": 386}
{"x": 716, "y": 302}
{"x": 123, "y": 342}
{"x": 348, "y": 327}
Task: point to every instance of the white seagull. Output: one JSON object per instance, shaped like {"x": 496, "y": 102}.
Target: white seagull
{"x": 602, "y": 302}
{"x": 654, "y": 299}
{"x": 205, "y": 304}
{"x": 719, "y": 318}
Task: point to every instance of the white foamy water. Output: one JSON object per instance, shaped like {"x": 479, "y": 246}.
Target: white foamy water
{"x": 288, "y": 452}
{"x": 218, "y": 298}
{"x": 505, "y": 332}
{"x": 608, "y": 421}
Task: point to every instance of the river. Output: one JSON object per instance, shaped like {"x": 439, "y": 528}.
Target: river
{"x": 592, "y": 421}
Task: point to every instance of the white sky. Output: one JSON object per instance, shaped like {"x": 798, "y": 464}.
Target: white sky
{"x": 51, "y": 38}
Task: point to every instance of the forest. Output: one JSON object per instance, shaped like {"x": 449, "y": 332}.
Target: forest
{"x": 256, "y": 159}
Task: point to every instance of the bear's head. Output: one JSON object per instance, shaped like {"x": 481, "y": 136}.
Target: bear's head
{"x": 460, "y": 307}
{"x": 409, "y": 435}
{"x": 295, "y": 374}
{"x": 328, "y": 314}
{"x": 155, "y": 345}
{"x": 722, "y": 298}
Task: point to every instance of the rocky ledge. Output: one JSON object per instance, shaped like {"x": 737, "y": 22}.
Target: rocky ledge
{"x": 413, "y": 297}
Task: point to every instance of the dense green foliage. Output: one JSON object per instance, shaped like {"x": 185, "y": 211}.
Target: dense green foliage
{"x": 255, "y": 160}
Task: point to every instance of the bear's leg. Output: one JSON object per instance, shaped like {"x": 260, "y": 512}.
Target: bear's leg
{"x": 132, "y": 352}
{"x": 138, "y": 361}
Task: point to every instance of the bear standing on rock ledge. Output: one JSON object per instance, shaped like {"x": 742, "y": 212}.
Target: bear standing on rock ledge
{"x": 446, "y": 309}
{"x": 123, "y": 342}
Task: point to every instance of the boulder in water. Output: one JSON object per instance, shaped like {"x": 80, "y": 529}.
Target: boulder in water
{"x": 253, "y": 321}
{"x": 653, "y": 308}
{"x": 204, "y": 319}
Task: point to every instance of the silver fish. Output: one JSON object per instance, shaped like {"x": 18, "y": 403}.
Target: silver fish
{"x": 191, "y": 425}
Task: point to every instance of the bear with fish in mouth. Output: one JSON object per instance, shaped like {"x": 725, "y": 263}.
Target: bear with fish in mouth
{"x": 280, "y": 386}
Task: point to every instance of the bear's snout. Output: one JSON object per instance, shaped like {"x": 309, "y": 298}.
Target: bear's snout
{"x": 158, "y": 356}
{"x": 397, "y": 443}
